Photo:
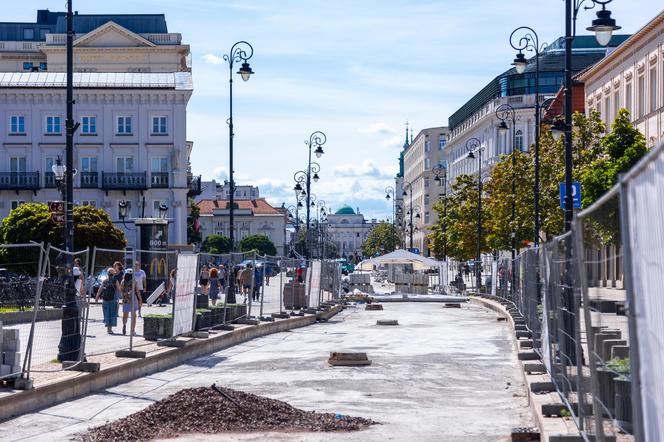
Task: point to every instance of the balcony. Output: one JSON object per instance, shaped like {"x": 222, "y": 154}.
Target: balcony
{"x": 89, "y": 180}
{"x": 123, "y": 181}
{"x": 49, "y": 180}
{"x": 159, "y": 180}
{"x": 19, "y": 180}
{"x": 194, "y": 184}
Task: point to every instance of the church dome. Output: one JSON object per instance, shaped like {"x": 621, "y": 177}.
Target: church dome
{"x": 345, "y": 210}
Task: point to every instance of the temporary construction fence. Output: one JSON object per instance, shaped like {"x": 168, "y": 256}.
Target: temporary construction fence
{"x": 61, "y": 310}
{"x": 591, "y": 302}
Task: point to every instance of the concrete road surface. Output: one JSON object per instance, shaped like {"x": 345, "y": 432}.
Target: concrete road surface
{"x": 441, "y": 375}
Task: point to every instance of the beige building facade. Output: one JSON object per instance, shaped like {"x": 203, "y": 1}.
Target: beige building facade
{"x": 632, "y": 77}
{"x": 424, "y": 152}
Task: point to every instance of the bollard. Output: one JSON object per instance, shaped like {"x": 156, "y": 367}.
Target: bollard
{"x": 387, "y": 322}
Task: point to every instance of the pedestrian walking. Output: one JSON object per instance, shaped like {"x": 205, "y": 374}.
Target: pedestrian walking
{"x": 258, "y": 282}
{"x": 268, "y": 273}
{"x": 129, "y": 305}
{"x": 79, "y": 282}
{"x": 246, "y": 276}
{"x": 169, "y": 294}
{"x": 203, "y": 279}
{"x": 215, "y": 285}
{"x": 300, "y": 274}
{"x": 222, "y": 277}
{"x": 109, "y": 305}
{"x": 140, "y": 279}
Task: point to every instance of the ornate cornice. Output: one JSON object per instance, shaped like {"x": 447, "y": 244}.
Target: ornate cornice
{"x": 94, "y": 96}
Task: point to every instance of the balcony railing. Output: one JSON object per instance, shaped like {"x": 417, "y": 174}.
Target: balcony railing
{"x": 89, "y": 180}
{"x": 49, "y": 180}
{"x": 159, "y": 180}
{"x": 123, "y": 181}
{"x": 19, "y": 180}
{"x": 194, "y": 184}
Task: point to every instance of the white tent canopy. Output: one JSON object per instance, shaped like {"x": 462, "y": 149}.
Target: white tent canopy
{"x": 400, "y": 256}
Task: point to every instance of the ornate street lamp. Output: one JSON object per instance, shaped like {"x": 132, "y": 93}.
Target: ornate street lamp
{"x": 505, "y": 113}
{"x": 440, "y": 177}
{"x": 522, "y": 39}
{"x": 389, "y": 195}
{"x": 475, "y": 145}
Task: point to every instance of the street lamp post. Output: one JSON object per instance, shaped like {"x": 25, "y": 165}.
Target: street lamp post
{"x": 475, "y": 145}
{"x": 320, "y": 210}
{"x": 410, "y": 213}
{"x": 529, "y": 41}
{"x": 316, "y": 140}
{"x": 389, "y": 194}
{"x": 440, "y": 172}
{"x": 505, "y": 113}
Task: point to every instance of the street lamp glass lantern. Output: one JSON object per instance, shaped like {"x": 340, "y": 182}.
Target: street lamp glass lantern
{"x": 59, "y": 170}
{"x": 122, "y": 206}
{"x": 316, "y": 178}
{"x": 520, "y": 63}
{"x": 603, "y": 27}
{"x": 471, "y": 155}
{"x": 245, "y": 71}
{"x": 299, "y": 204}
{"x": 297, "y": 187}
{"x": 387, "y": 196}
{"x": 502, "y": 127}
{"x": 319, "y": 152}
{"x": 163, "y": 209}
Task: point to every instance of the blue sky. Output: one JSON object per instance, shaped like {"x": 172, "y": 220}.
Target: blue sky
{"x": 355, "y": 69}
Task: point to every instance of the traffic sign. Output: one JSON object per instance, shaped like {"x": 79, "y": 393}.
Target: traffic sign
{"x": 576, "y": 195}
{"x": 57, "y": 209}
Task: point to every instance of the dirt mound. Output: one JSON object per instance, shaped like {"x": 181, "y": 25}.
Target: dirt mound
{"x": 216, "y": 410}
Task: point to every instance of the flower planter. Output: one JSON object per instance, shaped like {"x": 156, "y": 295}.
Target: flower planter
{"x": 203, "y": 319}
{"x": 157, "y": 327}
{"x": 202, "y": 301}
{"x": 606, "y": 389}
{"x": 623, "y": 402}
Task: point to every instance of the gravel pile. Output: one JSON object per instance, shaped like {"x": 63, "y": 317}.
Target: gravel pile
{"x": 216, "y": 410}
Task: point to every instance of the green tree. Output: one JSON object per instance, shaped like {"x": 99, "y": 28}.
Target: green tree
{"x": 193, "y": 227}
{"x": 383, "y": 238}
{"x": 216, "y": 244}
{"x": 93, "y": 227}
{"x": 461, "y": 221}
{"x": 260, "y": 243}
{"x": 622, "y": 148}
{"x": 498, "y": 203}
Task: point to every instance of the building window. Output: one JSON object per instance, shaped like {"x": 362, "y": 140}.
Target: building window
{"x": 124, "y": 164}
{"x": 18, "y": 164}
{"x": 427, "y": 146}
{"x": 28, "y": 66}
{"x": 441, "y": 143}
{"x": 427, "y": 217}
{"x": 124, "y": 126}
{"x": 155, "y": 207}
{"x": 89, "y": 125}
{"x": 641, "y": 97}
{"x": 616, "y": 103}
{"x": 159, "y": 126}
{"x": 518, "y": 140}
{"x": 17, "y": 125}
{"x": 628, "y": 99}
{"x": 653, "y": 89}
{"x": 88, "y": 164}
{"x": 28, "y": 34}
{"x": 92, "y": 203}
{"x": 427, "y": 163}
{"x": 607, "y": 111}
{"x": 17, "y": 203}
{"x": 42, "y": 34}
{"x": 53, "y": 125}
{"x": 159, "y": 164}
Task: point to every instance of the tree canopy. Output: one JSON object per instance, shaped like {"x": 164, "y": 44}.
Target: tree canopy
{"x": 216, "y": 244}
{"x": 383, "y": 238}
{"x": 260, "y": 243}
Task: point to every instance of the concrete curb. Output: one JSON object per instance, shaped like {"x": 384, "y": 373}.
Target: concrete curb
{"x": 166, "y": 357}
{"x": 551, "y": 428}
{"x": 15, "y": 318}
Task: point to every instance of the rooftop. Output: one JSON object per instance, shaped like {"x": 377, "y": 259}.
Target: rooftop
{"x": 97, "y": 80}
{"x": 345, "y": 210}
{"x": 258, "y": 206}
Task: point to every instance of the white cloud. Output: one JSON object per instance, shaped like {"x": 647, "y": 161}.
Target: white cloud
{"x": 367, "y": 168}
{"x": 212, "y": 59}
{"x": 379, "y": 128}
{"x": 394, "y": 141}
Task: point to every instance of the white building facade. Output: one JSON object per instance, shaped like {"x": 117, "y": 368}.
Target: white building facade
{"x": 131, "y": 91}
{"x": 632, "y": 77}
{"x": 348, "y": 229}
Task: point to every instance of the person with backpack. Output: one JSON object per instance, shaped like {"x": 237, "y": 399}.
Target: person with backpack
{"x": 109, "y": 301}
{"x": 130, "y": 301}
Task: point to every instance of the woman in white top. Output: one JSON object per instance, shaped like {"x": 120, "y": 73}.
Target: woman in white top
{"x": 139, "y": 281}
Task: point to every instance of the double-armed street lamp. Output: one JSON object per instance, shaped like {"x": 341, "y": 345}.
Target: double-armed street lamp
{"x": 303, "y": 178}
{"x": 413, "y": 212}
{"x": 473, "y": 146}
{"x": 440, "y": 177}
{"x": 389, "y": 195}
